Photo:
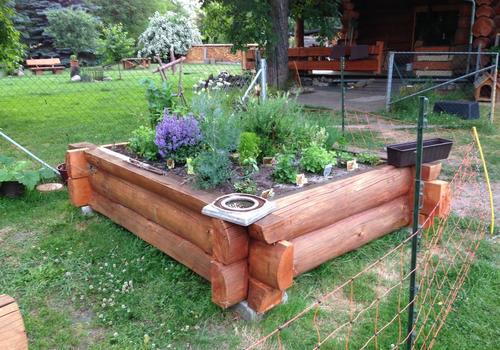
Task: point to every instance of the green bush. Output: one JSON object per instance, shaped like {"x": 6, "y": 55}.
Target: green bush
{"x": 367, "y": 158}
{"x": 315, "y": 158}
{"x": 219, "y": 125}
{"x": 285, "y": 170}
{"x": 211, "y": 168}
{"x": 249, "y": 146}
{"x": 143, "y": 144}
{"x": 280, "y": 121}
{"x": 159, "y": 98}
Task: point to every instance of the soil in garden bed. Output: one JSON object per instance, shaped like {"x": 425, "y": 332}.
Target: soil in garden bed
{"x": 263, "y": 178}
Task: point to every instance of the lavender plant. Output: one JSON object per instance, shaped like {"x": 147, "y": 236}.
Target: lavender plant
{"x": 178, "y": 137}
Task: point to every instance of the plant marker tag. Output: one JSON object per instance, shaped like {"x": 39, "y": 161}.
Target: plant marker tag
{"x": 170, "y": 164}
{"x": 189, "y": 165}
{"x": 267, "y": 194}
{"x": 300, "y": 180}
{"x": 352, "y": 165}
{"x": 328, "y": 170}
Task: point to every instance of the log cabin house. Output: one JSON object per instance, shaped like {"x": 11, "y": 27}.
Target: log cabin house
{"x": 399, "y": 25}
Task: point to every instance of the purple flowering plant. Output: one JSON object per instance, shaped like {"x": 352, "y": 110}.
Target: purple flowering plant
{"x": 177, "y": 135}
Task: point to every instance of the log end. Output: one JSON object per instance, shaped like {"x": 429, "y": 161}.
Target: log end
{"x": 262, "y": 297}
{"x": 229, "y": 283}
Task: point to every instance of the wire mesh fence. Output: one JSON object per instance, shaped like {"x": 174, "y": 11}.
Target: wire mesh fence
{"x": 441, "y": 76}
{"x": 369, "y": 309}
{"x": 112, "y": 92}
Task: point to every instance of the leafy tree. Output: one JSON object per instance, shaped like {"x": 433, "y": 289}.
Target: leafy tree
{"x": 216, "y": 22}
{"x": 172, "y": 30}
{"x": 73, "y": 28}
{"x": 265, "y": 22}
{"x": 11, "y": 49}
{"x": 132, "y": 14}
{"x": 115, "y": 44}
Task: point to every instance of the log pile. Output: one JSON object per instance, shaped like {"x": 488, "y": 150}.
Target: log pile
{"x": 485, "y": 27}
{"x": 257, "y": 263}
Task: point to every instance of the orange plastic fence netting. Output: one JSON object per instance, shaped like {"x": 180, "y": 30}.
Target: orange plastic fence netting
{"x": 369, "y": 309}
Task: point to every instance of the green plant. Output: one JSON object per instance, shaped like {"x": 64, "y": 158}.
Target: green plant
{"x": 285, "y": 170}
{"x": 115, "y": 44}
{"x": 220, "y": 127}
{"x": 368, "y": 158}
{"x": 246, "y": 186}
{"x": 143, "y": 144}
{"x": 249, "y": 146}
{"x": 344, "y": 157}
{"x": 11, "y": 48}
{"x": 73, "y": 28}
{"x": 315, "y": 158}
{"x": 211, "y": 168}
{"x": 21, "y": 171}
{"x": 159, "y": 98}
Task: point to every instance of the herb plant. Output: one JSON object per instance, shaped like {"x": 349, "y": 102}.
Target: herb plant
{"x": 248, "y": 146}
{"x": 22, "y": 172}
{"x": 177, "y": 137}
{"x": 159, "y": 99}
{"x": 315, "y": 158}
{"x": 285, "y": 170}
{"x": 211, "y": 168}
{"x": 143, "y": 144}
{"x": 246, "y": 186}
{"x": 367, "y": 158}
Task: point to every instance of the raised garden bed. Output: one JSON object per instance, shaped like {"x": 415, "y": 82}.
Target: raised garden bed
{"x": 255, "y": 263}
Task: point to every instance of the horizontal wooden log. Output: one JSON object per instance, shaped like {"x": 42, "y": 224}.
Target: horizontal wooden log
{"x": 79, "y": 191}
{"x": 272, "y": 263}
{"x": 483, "y": 26}
{"x": 184, "y": 222}
{"x": 229, "y": 283}
{"x": 315, "y": 208}
{"x": 169, "y": 187}
{"x": 229, "y": 242}
{"x": 76, "y": 163}
{"x": 485, "y": 11}
{"x": 78, "y": 145}
{"x": 368, "y": 65}
{"x": 262, "y": 297}
{"x": 168, "y": 242}
{"x": 315, "y": 248}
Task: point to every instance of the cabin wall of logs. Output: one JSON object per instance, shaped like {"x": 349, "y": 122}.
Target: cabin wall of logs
{"x": 256, "y": 263}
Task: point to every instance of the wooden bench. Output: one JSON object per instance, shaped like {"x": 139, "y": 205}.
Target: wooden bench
{"x": 320, "y": 58}
{"x": 38, "y": 66}
{"x": 134, "y": 62}
{"x": 12, "y": 332}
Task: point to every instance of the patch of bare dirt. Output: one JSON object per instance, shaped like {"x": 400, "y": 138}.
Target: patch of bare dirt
{"x": 470, "y": 202}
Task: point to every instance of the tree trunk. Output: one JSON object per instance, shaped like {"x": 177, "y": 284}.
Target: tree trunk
{"x": 299, "y": 32}
{"x": 277, "y": 52}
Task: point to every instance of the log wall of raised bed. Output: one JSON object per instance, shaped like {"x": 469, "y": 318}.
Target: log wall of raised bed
{"x": 257, "y": 263}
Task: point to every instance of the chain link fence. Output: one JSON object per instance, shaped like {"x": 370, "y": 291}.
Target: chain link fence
{"x": 441, "y": 76}
{"x": 110, "y": 91}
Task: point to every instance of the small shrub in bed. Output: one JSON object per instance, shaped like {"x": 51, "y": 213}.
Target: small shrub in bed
{"x": 249, "y": 146}
{"x": 211, "y": 168}
{"x": 315, "y": 158}
{"x": 285, "y": 170}
{"x": 143, "y": 144}
{"x": 178, "y": 137}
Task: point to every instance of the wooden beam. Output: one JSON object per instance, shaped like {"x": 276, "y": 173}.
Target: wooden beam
{"x": 79, "y": 191}
{"x": 272, "y": 263}
{"x": 431, "y": 171}
{"x": 190, "y": 225}
{"x": 76, "y": 163}
{"x": 317, "y": 247}
{"x": 229, "y": 283}
{"x": 169, "y": 187}
{"x": 168, "y": 242}
{"x": 229, "y": 242}
{"x": 262, "y": 297}
{"x": 315, "y": 208}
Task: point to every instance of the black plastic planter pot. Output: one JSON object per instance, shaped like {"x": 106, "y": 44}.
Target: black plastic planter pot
{"x": 12, "y": 189}
{"x": 405, "y": 154}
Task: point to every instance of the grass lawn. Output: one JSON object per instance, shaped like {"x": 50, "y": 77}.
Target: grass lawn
{"x": 84, "y": 282}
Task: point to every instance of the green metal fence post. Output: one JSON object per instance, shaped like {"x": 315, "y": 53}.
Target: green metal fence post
{"x": 342, "y": 91}
{"x": 424, "y": 101}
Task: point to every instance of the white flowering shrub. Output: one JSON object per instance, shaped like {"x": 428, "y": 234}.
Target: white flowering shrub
{"x": 169, "y": 30}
